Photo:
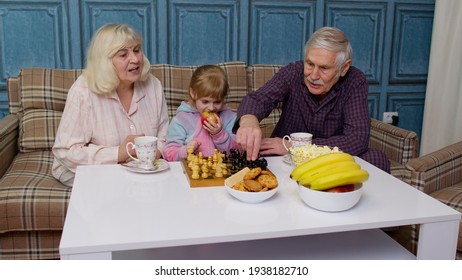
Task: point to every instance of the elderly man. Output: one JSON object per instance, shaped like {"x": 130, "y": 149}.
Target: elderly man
{"x": 323, "y": 95}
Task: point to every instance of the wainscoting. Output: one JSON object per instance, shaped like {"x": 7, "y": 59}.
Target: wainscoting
{"x": 391, "y": 39}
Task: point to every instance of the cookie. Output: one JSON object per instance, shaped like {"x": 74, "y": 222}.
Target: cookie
{"x": 268, "y": 181}
{"x": 240, "y": 186}
{"x": 252, "y": 186}
{"x": 266, "y": 172}
{"x": 252, "y": 174}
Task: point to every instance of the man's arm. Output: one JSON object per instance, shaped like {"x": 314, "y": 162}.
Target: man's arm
{"x": 248, "y": 136}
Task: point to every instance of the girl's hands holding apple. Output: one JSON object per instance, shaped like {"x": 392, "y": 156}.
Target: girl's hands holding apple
{"x": 211, "y": 122}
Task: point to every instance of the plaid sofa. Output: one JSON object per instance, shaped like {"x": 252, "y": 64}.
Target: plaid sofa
{"x": 439, "y": 174}
{"x": 33, "y": 204}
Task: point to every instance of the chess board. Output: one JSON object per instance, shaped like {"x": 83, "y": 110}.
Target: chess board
{"x": 209, "y": 182}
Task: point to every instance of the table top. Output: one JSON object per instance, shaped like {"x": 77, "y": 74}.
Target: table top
{"x": 114, "y": 209}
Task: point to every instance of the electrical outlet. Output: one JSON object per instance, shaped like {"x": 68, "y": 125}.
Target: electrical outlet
{"x": 388, "y": 116}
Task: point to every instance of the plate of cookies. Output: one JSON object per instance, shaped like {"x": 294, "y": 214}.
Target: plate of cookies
{"x": 252, "y": 185}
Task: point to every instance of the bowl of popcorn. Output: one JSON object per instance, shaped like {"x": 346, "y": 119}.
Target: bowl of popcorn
{"x": 252, "y": 185}
{"x": 301, "y": 154}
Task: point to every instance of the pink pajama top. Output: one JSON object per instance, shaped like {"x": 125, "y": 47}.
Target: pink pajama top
{"x": 93, "y": 126}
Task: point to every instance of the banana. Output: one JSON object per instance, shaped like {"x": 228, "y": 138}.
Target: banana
{"x": 326, "y": 170}
{"x": 318, "y": 162}
{"x": 339, "y": 179}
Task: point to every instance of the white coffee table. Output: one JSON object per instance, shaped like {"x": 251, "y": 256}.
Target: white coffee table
{"x": 115, "y": 213}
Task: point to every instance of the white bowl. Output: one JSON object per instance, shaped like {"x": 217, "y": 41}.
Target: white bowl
{"x": 331, "y": 201}
{"x": 248, "y": 197}
{"x": 251, "y": 197}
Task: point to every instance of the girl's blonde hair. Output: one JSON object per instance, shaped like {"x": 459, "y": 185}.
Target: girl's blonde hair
{"x": 99, "y": 72}
{"x": 209, "y": 81}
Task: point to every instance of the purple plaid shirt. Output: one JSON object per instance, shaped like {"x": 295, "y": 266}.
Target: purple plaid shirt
{"x": 341, "y": 119}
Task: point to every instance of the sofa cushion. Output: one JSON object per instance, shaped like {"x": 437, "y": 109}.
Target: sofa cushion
{"x": 257, "y": 76}
{"x": 30, "y": 198}
{"x": 175, "y": 81}
{"x": 43, "y": 94}
{"x": 30, "y": 245}
{"x": 452, "y": 196}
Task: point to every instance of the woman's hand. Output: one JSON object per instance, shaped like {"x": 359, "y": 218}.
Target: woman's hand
{"x": 212, "y": 127}
{"x": 123, "y": 156}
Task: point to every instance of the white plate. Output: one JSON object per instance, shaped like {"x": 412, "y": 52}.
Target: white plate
{"x": 286, "y": 159}
{"x": 133, "y": 166}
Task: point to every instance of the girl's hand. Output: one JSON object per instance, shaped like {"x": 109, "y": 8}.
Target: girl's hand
{"x": 193, "y": 144}
{"x": 212, "y": 127}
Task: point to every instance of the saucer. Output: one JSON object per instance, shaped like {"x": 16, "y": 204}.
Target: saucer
{"x": 134, "y": 166}
{"x": 287, "y": 160}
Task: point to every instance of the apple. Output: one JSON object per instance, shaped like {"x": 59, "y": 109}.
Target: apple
{"x": 209, "y": 116}
{"x": 344, "y": 188}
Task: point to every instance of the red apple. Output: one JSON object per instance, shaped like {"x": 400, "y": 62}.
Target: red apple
{"x": 209, "y": 116}
{"x": 344, "y": 188}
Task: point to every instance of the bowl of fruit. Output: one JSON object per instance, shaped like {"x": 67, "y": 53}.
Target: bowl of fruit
{"x": 344, "y": 198}
{"x": 332, "y": 182}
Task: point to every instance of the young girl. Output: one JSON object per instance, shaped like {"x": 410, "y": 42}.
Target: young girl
{"x": 204, "y": 122}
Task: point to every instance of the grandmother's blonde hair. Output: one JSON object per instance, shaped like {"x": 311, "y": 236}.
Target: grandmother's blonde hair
{"x": 99, "y": 72}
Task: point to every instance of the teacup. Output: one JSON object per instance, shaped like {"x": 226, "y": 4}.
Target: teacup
{"x": 146, "y": 148}
{"x": 297, "y": 139}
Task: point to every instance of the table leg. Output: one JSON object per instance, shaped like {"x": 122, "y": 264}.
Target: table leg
{"x": 438, "y": 241}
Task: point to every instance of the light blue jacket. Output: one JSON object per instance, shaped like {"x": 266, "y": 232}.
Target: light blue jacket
{"x": 187, "y": 125}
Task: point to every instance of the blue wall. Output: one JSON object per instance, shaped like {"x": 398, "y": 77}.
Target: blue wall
{"x": 391, "y": 39}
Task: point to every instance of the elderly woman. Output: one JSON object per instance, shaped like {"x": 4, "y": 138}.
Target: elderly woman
{"x": 115, "y": 100}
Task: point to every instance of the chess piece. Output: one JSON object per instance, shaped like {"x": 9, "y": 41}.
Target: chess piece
{"x": 190, "y": 154}
{"x": 224, "y": 170}
{"x": 195, "y": 172}
{"x": 215, "y": 160}
{"x": 205, "y": 170}
{"x": 219, "y": 171}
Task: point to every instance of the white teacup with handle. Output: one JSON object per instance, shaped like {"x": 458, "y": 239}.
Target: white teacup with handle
{"x": 146, "y": 148}
{"x": 297, "y": 139}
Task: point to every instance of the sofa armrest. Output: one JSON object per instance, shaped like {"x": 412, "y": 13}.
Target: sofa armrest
{"x": 400, "y": 145}
{"x": 9, "y": 130}
{"x": 437, "y": 170}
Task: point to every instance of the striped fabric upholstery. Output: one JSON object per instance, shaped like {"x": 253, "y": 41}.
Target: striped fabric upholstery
{"x": 439, "y": 174}
{"x": 43, "y": 95}
{"x": 257, "y": 76}
{"x": 14, "y": 96}
{"x": 8, "y": 141}
{"x": 398, "y": 144}
{"x": 30, "y": 245}
{"x": 32, "y": 203}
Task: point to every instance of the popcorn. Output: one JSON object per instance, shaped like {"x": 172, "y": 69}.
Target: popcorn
{"x": 304, "y": 153}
